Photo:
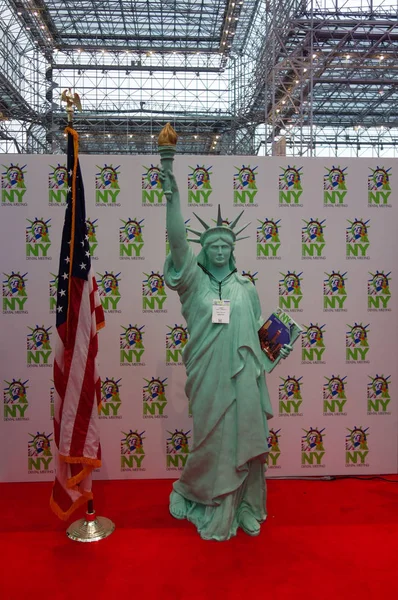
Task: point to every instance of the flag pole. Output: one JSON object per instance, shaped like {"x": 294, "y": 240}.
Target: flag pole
{"x": 90, "y": 528}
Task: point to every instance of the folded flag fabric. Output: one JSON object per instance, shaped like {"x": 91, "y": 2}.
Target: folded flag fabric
{"x": 79, "y": 317}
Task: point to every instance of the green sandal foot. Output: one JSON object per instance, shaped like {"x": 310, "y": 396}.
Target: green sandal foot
{"x": 249, "y": 523}
{"x": 178, "y": 506}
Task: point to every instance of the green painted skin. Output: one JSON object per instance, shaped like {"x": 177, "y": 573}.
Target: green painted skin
{"x": 222, "y": 486}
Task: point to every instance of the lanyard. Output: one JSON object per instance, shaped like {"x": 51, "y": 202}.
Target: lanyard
{"x": 219, "y": 283}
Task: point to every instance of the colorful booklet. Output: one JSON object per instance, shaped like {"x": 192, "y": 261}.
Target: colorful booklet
{"x": 279, "y": 329}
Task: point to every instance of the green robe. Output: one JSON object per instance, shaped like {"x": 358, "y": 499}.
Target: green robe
{"x": 229, "y": 401}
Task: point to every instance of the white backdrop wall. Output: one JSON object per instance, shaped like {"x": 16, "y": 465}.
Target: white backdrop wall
{"x": 322, "y": 245}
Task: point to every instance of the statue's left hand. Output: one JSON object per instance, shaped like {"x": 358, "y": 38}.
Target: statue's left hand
{"x": 286, "y": 350}
{"x": 168, "y": 180}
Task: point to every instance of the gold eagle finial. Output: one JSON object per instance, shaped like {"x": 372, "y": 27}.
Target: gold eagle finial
{"x": 72, "y": 100}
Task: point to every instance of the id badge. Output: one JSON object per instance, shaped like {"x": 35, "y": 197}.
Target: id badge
{"x": 221, "y": 309}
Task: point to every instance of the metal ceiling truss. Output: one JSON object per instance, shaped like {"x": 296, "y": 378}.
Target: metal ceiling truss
{"x": 328, "y": 74}
{"x": 303, "y": 77}
{"x": 22, "y": 85}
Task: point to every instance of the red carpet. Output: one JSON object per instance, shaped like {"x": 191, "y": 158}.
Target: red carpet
{"x": 322, "y": 540}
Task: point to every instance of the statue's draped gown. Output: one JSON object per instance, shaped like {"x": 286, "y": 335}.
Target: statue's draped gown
{"x": 229, "y": 401}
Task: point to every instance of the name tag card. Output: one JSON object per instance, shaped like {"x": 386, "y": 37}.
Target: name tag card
{"x": 221, "y": 309}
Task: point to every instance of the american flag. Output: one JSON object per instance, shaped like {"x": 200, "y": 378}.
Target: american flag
{"x": 77, "y": 384}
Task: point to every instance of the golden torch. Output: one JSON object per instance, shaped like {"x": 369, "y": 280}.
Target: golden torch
{"x": 167, "y": 142}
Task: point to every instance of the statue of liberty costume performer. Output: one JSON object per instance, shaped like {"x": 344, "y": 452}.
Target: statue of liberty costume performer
{"x": 222, "y": 486}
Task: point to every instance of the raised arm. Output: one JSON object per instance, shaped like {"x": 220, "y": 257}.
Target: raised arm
{"x": 174, "y": 220}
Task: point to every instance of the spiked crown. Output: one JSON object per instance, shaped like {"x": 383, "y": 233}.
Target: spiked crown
{"x": 219, "y": 228}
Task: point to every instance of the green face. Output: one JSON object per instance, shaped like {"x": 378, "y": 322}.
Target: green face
{"x": 218, "y": 252}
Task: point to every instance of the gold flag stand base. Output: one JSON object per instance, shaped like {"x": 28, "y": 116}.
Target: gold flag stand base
{"x": 91, "y": 528}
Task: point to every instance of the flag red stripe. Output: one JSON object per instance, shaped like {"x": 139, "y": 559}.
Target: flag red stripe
{"x": 99, "y": 317}
{"x": 61, "y": 496}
